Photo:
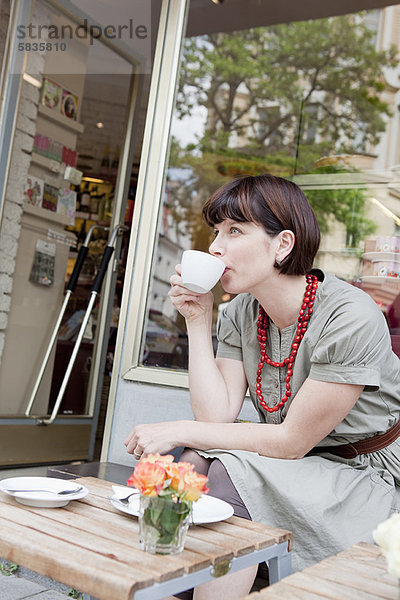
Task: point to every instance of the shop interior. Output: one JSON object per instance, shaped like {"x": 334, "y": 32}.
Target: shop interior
{"x": 69, "y": 201}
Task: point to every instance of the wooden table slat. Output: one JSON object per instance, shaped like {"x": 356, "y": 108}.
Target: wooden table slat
{"x": 75, "y": 512}
{"x": 112, "y": 514}
{"x": 99, "y": 536}
{"x": 96, "y": 542}
{"x": 363, "y": 549}
{"x": 99, "y": 487}
{"x": 351, "y": 579}
{"x": 330, "y": 589}
{"x": 208, "y": 546}
{"x": 357, "y": 573}
{"x": 239, "y": 547}
{"x": 258, "y": 539}
{"x": 242, "y": 538}
{"x": 368, "y": 570}
{"x": 284, "y": 592}
{"x": 103, "y": 489}
{"x": 279, "y": 535}
{"x": 103, "y": 577}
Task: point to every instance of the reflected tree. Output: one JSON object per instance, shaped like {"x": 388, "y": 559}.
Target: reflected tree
{"x": 277, "y": 99}
{"x": 255, "y": 83}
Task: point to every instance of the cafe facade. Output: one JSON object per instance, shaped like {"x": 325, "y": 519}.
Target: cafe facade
{"x": 116, "y": 124}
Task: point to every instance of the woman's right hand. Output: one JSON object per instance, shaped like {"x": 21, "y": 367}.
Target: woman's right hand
{"x": 191, "y": 305}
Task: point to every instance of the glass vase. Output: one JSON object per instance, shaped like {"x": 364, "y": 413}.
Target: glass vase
{"x": 163, "y": 524}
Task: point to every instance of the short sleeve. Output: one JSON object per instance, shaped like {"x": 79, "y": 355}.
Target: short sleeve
{"x": 352, "y": 346}
{"x": 229, "y": 332}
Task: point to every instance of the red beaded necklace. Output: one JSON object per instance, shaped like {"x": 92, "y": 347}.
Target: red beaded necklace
{"x": 302, "y": 322}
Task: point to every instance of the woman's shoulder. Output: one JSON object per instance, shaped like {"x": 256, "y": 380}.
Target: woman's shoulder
{"x": 239, "y": 303}
{"x": 241, "y": 310}
{"x": 340, "y": 294}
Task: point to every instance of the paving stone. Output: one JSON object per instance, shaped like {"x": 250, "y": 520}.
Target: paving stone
{"x": 15, "y": 588}
{"x": 48, "y": 595}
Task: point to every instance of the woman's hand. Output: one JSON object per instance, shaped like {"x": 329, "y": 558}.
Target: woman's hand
{"x": 191, "y": 305}
{"x": 155, "y": 437}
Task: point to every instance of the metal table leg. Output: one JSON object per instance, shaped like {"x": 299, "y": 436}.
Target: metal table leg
{"x": 277, "y": 556}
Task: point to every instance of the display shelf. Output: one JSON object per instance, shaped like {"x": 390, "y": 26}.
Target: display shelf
{"x": 378, "y": 256}
{"x": 47, "y": 163}
{"x": 44, "y": 213}
{"x": 87, "y": 216}
{"x": 53, "y": 115}
{"x": 380, "y": 279}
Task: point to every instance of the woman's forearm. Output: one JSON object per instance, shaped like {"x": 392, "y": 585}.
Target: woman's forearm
{"x": 265, "y": 439}
{"x": 208, "y": 389}
{"x": 307, "y": 423}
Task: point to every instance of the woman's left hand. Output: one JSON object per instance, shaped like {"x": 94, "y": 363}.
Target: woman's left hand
{"x": 154, "y": 437}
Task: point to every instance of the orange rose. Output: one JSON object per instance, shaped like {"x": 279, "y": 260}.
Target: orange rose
{"x": 158, "y": 458}
{"x": 185, "y": 466}
{"x": 148, "y": 478}
{"x": 155, "y": 472}
{"x": 195, "y": 485}
{"x": 176, "y": 474}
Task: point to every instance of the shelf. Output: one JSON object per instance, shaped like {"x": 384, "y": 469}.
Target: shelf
{"x": 55, "y": 116}
{"x": 384, "y": 256}
{"x": 49, "y": 164}
{"x": 45, "y": 214}
{"x": 86, "y": 215}
{"x": 380, "y": 279}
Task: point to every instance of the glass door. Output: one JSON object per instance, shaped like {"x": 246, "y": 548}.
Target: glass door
{"x": 67, "y": 210}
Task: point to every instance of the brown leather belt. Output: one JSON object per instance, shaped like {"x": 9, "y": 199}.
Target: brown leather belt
{"x": 372, "y": 444}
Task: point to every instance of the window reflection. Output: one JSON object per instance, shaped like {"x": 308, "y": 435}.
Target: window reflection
{"x": 314, "y": 101}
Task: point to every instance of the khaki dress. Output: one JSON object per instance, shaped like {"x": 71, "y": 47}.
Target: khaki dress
{"x": 328, "y": 502}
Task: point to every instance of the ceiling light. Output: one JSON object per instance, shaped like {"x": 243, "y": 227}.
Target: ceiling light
{"x": 93, "y": 179}
{"x": 217, "y": 1}
{"x": 100, "y": 125}
{"x": 32, "y": 80}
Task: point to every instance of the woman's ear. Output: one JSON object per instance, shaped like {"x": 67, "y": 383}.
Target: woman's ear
{"x": 286, "y": 240}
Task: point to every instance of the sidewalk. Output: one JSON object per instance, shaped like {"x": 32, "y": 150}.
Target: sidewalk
{"x": 26, "y": 585}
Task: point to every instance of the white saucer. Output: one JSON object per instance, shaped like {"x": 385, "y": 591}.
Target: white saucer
{"x": 42, "y": 499}
{"x": 207, "y": 509}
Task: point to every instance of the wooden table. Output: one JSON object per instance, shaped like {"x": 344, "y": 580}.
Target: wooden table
{"x": 93, "y": 547}
{"x": 358, "y": 573}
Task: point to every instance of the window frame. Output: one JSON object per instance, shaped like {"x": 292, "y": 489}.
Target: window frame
{"x": 149, "y": 196}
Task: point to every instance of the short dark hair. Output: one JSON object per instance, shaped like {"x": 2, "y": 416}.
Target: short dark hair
{"x": 276, "y": 204}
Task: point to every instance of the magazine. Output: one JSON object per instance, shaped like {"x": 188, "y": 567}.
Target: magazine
{"x": 66, "y": 204}
{"x": 51, "y": 94}
{"x": 50, "y": 197}
{"x": 33, "y": 192}
{"x": 69, "y": 105}
{"x": 42, "y": 270}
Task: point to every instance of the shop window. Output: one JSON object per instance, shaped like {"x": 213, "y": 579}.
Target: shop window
{"x": 288, "y": 100}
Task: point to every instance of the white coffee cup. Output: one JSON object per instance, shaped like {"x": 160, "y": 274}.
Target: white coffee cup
{"x": 200, "y": 271}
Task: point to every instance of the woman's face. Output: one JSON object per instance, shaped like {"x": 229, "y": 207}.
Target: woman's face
{"x": 248, "y": 252}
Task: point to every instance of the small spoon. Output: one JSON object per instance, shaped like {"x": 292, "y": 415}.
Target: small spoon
{"x": 126, "y": 499}
{"x": 61, "y": 493}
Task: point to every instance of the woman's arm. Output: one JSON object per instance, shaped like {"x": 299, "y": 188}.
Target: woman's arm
{"x": 315, "y": 411}
{"x": 217, "y": 386}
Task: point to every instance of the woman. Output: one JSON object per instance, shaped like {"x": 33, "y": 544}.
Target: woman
{"x": 314, "y": 353}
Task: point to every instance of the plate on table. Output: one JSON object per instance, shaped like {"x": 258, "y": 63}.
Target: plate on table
{"x": 207, "y": 509}
{"x": 38, "y": 498}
